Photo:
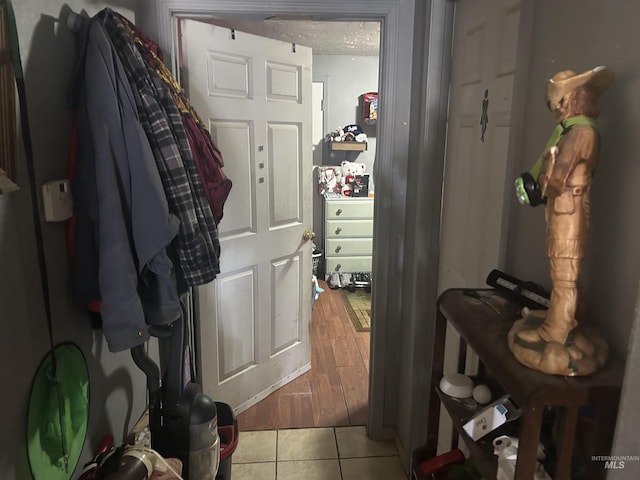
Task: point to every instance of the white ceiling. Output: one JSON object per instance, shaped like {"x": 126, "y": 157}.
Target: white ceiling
{"x": 325, "y": 38}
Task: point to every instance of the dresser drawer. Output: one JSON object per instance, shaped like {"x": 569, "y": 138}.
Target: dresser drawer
{"x": 349, "y": 228}
{"x": 348, "y": 264}
{"x": 349, "y": 208}
{"x": 348, "y": 246}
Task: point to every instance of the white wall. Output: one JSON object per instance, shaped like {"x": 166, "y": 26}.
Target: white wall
{"x": 117, "y": 386}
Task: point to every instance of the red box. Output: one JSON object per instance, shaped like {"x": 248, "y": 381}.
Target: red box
{"x": 370, "y": 107}
{"x": 428, "y": 468}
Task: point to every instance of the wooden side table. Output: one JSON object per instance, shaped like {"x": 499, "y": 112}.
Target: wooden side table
{"x": 483, "y": 324}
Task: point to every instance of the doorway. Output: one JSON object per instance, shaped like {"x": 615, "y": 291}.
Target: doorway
{"x": 345, "y": 74}
{"x": 398, "y": 212}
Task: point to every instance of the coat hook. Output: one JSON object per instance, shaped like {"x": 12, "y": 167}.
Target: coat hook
{"x": 293, "y": 47}
{"x": 75, "y": 21}
{"x": 233, "y": 34}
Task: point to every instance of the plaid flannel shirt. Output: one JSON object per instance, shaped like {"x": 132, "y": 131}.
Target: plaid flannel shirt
{"x": 197, "y": 243}
{"x": 205, "y": 152}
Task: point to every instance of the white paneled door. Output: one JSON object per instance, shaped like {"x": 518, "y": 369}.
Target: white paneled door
{"x": 483, "y": 67}
{"x": 484, "y": 59}
{"x": 254, "y": 93}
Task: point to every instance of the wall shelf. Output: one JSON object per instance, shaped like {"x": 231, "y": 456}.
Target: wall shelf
{"x": 348, "y": 146}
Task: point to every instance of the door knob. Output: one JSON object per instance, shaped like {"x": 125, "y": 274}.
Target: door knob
{"x": 308, "y": 235}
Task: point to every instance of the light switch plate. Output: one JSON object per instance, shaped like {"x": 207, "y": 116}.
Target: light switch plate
{"x": 58, "y": 203}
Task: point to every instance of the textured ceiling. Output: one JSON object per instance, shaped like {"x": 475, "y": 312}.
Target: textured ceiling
{"x": 325, "y": 38}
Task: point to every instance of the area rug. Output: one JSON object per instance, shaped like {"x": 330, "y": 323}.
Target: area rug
{"x": 358, "y": 305}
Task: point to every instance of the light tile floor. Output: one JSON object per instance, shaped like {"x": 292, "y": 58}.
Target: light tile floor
{"x": 340, "y": 453}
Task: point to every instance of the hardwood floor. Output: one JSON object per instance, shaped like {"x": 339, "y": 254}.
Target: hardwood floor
{"x": 335, "y": 391}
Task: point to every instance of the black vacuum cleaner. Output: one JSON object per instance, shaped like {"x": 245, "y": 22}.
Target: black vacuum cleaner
{"x": 182, "y": 419}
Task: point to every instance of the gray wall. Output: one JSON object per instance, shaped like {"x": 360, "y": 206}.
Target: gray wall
{"x": 117, "y": 386}
{"x": 577, "y": 35}
{"x": 345, "y": 78}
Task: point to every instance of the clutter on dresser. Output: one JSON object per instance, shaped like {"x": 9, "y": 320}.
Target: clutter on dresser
{"x": 349, "y": 180}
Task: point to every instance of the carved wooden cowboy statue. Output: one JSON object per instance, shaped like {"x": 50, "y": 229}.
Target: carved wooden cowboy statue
{"x": 553, "y": 341}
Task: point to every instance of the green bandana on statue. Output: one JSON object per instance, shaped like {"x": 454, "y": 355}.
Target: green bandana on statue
{"x": 561, "y": 128}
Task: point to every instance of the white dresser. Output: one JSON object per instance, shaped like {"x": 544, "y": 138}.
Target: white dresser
{"x": 348, "y": 234}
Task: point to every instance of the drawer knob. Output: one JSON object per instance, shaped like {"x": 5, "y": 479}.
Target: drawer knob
{"x": 338, "y": 212}
{"x": 338, "y": 267}
{"x": 338, "y": 230}
{"x": 338, "y": 248}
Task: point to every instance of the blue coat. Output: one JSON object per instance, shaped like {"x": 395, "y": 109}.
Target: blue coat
{"x": 123, "y": 225}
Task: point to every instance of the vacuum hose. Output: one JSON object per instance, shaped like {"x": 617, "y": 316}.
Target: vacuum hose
{"x": 151, "y": 370}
